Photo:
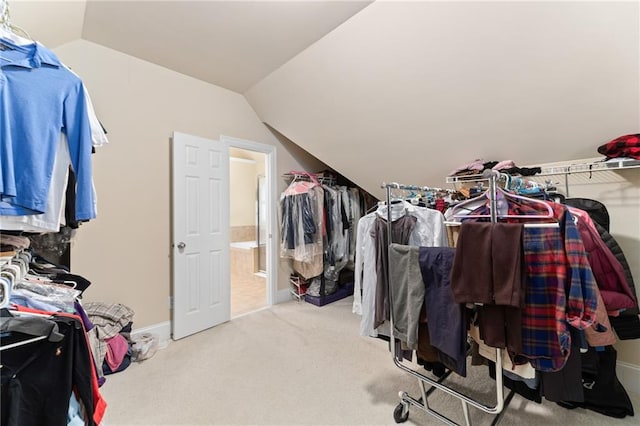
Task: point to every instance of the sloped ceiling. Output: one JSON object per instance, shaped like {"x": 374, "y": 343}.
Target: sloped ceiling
{"x": 51, "y": 22}
{"x": 407, "y": 91}
{"x": 391, "y": 90}
{"x": 233, "y": 44}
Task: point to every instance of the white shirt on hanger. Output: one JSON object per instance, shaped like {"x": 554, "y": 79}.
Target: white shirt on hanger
{"x": 429, "y": 231}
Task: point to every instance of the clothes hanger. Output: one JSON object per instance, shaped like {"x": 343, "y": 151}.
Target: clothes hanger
{"x": 10, "y": 275}
{"x": 5, "y": 291}
{"x": 502, "y": 194}
{"x": 49, "y": 330}
{"x": 8, "y": 31}
{"x": 9, "y": 34}
{"x": 398, "y": 205}
{"x": 300, "y": 186}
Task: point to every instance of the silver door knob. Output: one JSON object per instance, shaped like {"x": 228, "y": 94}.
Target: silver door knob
{"x": 181, "y": 245}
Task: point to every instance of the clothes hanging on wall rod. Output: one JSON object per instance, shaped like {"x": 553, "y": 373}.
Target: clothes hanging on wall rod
{"x": 318, "y": 230}
{"x": 66, "y": 158}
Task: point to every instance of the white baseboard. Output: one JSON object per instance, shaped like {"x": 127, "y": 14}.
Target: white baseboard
{"x": 162, "y": 330}
{"x": 283, "y": 295}
{"x": 629, "y": 376}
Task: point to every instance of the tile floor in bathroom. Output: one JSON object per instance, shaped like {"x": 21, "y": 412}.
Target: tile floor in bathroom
{"x": 248, "y": 289}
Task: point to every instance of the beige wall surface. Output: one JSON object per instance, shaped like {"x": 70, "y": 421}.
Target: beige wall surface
{"x": 242, "y": 187}
{"x": 619, "y": 191}
{"x": 126, "y": 251}
{"x": 407, "y": 91}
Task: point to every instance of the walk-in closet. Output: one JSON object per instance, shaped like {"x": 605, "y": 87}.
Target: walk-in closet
{"x": 359, "y": 212}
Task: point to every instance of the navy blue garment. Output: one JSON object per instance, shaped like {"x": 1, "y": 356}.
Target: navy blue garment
{"x": 445, "y": 318}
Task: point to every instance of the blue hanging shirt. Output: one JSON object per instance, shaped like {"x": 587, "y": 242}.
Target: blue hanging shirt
{"x": 39, "y": 98}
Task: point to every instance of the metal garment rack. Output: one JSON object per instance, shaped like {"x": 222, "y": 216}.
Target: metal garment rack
{"x": 298, "y": 176}
{"x": 401, "y": 412}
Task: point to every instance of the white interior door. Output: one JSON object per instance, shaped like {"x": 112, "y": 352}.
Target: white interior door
{"x": 200, "y": 232}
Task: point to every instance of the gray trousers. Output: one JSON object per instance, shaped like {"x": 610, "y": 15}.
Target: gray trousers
{"x": 407, "y": 292}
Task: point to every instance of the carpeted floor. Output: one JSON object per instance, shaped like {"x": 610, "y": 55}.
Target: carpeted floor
{"x": 296, "y": 364}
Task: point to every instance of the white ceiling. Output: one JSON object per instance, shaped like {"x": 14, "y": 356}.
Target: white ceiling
{"x": 428, "y": 85}
{"x": 232, "y": 44}
{"x": 407, "y": 91}
{"x": 53, "y": 23}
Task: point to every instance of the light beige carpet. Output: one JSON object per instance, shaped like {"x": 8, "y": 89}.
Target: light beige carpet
{"x": 295, "y": 364}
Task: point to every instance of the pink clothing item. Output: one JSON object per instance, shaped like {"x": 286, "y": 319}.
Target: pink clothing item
{"x": 477, "y": 165}
{"x": 506, "y": 164}
{"x": 607, "y": 270}
{"x": 604, "y": 337}
{"x": 117, "y": 348}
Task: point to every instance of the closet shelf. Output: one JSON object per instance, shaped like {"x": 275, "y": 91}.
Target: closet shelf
{"x": 597, "y": 166}
{"x": 565, "y": 169}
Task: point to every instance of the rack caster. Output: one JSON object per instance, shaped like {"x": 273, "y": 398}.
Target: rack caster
{"x": 401, "y": 412}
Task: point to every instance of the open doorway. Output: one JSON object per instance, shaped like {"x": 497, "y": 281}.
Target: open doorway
{"x": 248, "y": 213}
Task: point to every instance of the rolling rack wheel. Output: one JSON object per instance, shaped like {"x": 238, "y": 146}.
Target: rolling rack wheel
{"x": 401, "y": 412}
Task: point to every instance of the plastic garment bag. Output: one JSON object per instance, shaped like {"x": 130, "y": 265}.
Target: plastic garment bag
{"x": 301, "y": 222}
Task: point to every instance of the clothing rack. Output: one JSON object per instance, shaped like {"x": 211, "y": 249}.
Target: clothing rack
{"x": 300, "y": 176}
{"x": 394, "y": 185}
{"x": 401, "y": 413}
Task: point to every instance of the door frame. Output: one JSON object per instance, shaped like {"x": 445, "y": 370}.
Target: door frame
{"x": 272, "y": 191}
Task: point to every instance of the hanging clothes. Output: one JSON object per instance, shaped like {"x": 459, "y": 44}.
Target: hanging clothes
{"x": 560, "y": 286}
{"x": 429, "y": 231}
{"x": 489, "y": 270}
{"x": 400, "y": 233}
{"x": 38, "y": 379}
{"x": 36, "y": 106}
{"x": 53, "y": 217}
{"x": 318, "y": 228}
{"x": 607, "y": 270}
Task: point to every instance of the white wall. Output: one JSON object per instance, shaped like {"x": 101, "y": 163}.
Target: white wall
{"x": 243, "y": 187}
{"x": 125, "y": 252}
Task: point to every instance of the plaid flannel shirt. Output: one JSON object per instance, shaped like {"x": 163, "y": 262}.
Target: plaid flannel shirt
{"x": 560, "y": 288}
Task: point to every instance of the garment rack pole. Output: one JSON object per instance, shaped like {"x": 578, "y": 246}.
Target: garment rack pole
{"x": 22, "y": 343}
{"x": 405, "y": 399}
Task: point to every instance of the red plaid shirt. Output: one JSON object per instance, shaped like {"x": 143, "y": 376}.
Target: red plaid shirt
{"x": 560, "y": 288}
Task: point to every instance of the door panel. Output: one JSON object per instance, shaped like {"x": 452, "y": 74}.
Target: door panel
{"x": 200, "y": 185}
